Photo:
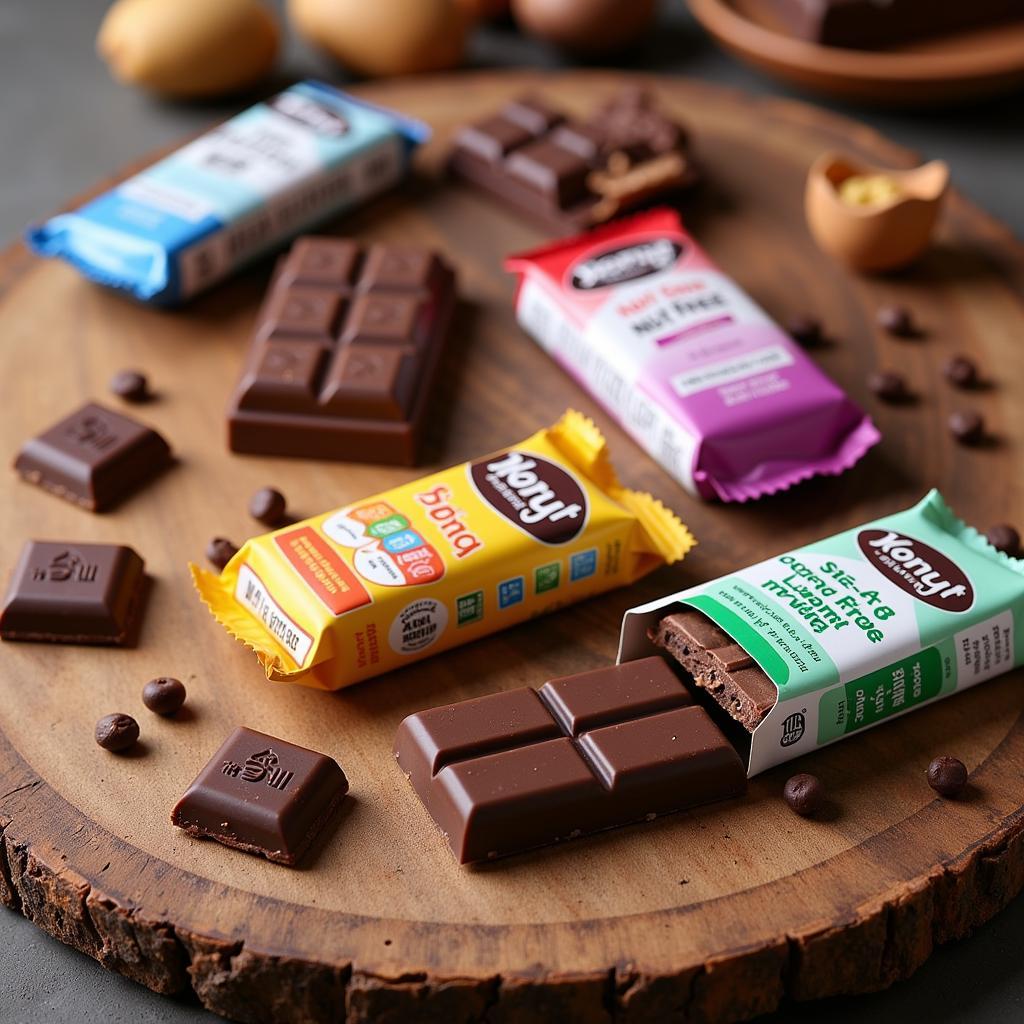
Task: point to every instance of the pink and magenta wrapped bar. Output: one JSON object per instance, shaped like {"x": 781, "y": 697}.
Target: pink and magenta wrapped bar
{"x": 686, "y": 361}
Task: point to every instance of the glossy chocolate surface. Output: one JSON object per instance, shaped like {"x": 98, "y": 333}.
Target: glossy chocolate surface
{"x": 95, "y": 457}
{"x": 262, "y": 795}
{"x": 74, "y": 593}
{"x": 346, "y": 349}
{"x": 569, "y": 174}
{"x": 524, "y": 768}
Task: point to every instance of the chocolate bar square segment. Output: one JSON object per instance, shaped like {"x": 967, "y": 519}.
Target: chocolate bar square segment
{"x": 371, "y": 382}
{"x": 286, "y": 377}
{"x": 591, "y": 699}
{"x": 397, "y": 268}
{"x": 304, "y": 311}
{"x": 516, "y": 799}
{"x": 262, "y": 795}
{"x": 386, "y": 317}
{"x": 95, "y": 457}
{"x": 534, "y": 113}
{"x": 74, "y": 593}
{"x": 429, "y": 740}
{"x": 718, "y": 665}
{"x": 326, "y": 262}
{"x": 660, "y": 762}
{"x": 315, "y": 389}
{"x": 556, "y": 173}
{"x": 493, "y": 139}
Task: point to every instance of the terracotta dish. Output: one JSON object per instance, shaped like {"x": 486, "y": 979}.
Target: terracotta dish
{"x": 876, "y": 236}
{"x": 936, "y": 71}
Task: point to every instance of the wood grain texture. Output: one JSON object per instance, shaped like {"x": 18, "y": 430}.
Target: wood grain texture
{"x": 711, "y": 916}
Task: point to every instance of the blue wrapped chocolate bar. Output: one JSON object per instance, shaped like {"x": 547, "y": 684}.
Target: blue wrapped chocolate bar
{"x": 238, "y": 191}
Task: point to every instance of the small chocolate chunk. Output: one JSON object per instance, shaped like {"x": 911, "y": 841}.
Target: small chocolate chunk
{"x": 130, "y": 385}
{"x": 806, "y": 330}
{"x": 897, "y": 320}
{"x": 947, "y": 776}
{"x": 117, "y": 732}
{"x": 889, "y": 386}
{"x": 262, "y": 795}
{"x": 967, "y": 426}
{"x": 805, "y": 794}
{"x": 164, "y": 695}
{"x": 267, "y": 506}
{"x": 1003, "y": 537}
{"x": 220, "y": 551}
{"x": 74, "y": 594}
{"x": 95, "y": 457}
{"x": 961, "y": 372}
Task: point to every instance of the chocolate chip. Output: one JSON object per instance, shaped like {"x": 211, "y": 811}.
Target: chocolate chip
{"x": 805, "y": 794}
{"x": 220, "y": 551}
{"x": 1003, "y": 537}
{"x": 117, "y": 732}
{"x": 889, "y": 386}
{"x": 130, "y": 385}
{"x": 961, "y": 372}
{"x": 806, "y": 330}
{"x": 267, "y": 506}
{"x": 947, "y": 776}
{"x": 164, "y": 695}
{"x": 967, "y": 427}
{"x": 896, "y": 320}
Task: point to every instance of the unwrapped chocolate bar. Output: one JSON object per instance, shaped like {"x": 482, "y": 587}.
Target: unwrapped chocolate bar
{"x": 237, "y": 191}
{"x": 696, "y": 372}
{"x": 508, "y": 772}
{"x": 812, "y": 645}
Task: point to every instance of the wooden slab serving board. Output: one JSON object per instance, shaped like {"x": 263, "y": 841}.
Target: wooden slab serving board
{"x": 714, "y": 915}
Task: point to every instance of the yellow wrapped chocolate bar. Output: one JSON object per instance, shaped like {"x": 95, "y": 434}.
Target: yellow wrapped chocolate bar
{"x": 442, "y": 560}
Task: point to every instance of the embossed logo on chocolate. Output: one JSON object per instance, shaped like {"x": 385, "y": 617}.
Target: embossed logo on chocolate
{"x": 307, "y": 112}
{"x": 918, "y": 568}
{"x": 626, "y": 263}
{"x": 263, "y": 766}
{"x": 68, "y": 566}
{"x": 536, "y": 495}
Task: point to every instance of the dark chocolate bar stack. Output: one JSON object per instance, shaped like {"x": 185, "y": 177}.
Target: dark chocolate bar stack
{"x": 347, "y": 347}
{"x": 511, "y": 771}
{"x": 569, "y": 175}
{"x": 718, "y": 665}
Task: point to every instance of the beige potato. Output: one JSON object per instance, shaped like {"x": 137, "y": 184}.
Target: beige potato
{"x": 195, "y": 48}
{"x": 385, "y": 37}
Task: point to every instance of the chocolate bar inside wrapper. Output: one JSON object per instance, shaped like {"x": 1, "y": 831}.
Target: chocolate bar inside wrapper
{"x": 812, "y": 645}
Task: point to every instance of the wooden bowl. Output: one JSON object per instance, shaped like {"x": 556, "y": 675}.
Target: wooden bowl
{"x": 881, "y": 236}
{"x": 954, "y": 68}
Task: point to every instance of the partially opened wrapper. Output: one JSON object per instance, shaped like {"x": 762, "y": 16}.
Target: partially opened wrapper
{"x": 442, "y": 560}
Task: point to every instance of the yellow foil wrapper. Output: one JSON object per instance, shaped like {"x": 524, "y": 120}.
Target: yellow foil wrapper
{"x": 441, "y": 561}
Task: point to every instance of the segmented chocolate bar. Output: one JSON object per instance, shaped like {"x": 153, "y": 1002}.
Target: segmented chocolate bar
{"x": 346, "y": 350}
{"x": 570, "y": 174}
{"x": 525, "y": 768}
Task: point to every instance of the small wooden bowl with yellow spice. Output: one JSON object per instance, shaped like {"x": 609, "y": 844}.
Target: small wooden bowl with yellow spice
{"x": 873, "y": 218}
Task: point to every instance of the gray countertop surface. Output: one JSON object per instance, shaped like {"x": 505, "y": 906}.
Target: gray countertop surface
{"x": 65, "y": 125}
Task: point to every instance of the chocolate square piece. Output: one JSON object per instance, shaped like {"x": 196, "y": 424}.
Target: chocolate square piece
{"x": 718, "y": 665}
{"x": 74, "y": 594}
{"x": 262, "y": 795}
{"x": 95, "y": 457}
{"x": 344, "y": 358}
{"x": 570, "y": 175}
{"x": 515, "y": 770}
